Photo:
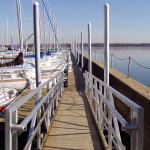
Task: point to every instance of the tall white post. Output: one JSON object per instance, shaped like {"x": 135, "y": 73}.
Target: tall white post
{"x": 106, "y": 43}
{"x": 37, "y": 42}
{"x": 82, "y": 50}
{"x": 20, "y": 24}
{"x": 89, "y": 48}
{"x": 73, "y": 47}
{"x": 37, "y": 58}
{"x": 78, "y": 51}
{"x": 76, "y": 48}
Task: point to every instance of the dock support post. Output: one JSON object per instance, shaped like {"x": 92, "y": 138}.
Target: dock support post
{"x": 78, "y": 51}
{"x": 37, "y": 59}
{"x": 73, "y": 47}
{"x": 82, "y": 65}
{"x": 37, "y": 43}
{"x": 106, "y": 43}
{"x": 90, "y": 63}
{"x": 89, "y": 48}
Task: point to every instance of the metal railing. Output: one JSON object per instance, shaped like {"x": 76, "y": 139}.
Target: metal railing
{"x": 101, "y": 98}
{"x": 42, "y": 113}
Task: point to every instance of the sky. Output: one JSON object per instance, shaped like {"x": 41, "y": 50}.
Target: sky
{"x": 129, "y": 19}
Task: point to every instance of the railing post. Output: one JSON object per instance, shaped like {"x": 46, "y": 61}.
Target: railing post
{"x": 8, "y": 131}
{"x": 137, "y": 135}
{"x": 129, "y": 67}
{"x": 82, "y": 63}
{"x": 140, "y": 137}
{"x": 14, "y": 133}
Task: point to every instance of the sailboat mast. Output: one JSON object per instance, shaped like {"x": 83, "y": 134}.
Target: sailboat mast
{"x": 19, "y": 24}
{"x": 44, "y": 28}
{"x": 7, "y": 32}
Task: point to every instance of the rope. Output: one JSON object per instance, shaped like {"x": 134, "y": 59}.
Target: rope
{"x": 139, "y": 64}
{"x": 52, "y": 26}
{"x": 120, "y": 58}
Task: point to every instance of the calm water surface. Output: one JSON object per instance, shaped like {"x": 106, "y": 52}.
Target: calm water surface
{"x": 140, "y": 54}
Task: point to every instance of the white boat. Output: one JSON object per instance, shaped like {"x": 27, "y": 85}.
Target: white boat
{"x": 7, "y": 95}
{"x": 21, "y": 77}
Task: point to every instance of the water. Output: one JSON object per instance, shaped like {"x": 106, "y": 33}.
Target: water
{"x": 140, "y": 54}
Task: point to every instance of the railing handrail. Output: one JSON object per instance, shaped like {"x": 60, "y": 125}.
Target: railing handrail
{"x": 102, "y": 104}
{"x": 24, "y": 99}
{"x": 116, "y": 113}
{"x": 50, "y": 100}
{"x": 37, "y": 107}
{"x": 124, "y": 99}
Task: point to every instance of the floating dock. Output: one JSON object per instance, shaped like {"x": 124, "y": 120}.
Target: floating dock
{"x": 73, "y": 126}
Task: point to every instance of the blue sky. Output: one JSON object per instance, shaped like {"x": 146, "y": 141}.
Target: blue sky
{"x": 129, "y": 19}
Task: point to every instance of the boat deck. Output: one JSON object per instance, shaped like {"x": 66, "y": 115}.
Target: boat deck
{"x": 73, "y": 126}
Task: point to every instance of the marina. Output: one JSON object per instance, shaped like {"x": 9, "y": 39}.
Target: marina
{"x": 75, "y": 95}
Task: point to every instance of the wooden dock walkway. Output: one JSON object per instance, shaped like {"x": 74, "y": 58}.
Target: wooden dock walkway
{"x": 73, "y": 127}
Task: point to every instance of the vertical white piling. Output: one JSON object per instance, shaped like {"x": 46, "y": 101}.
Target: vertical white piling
{"x": 19, "y": 24}
{"x": 37, "y": 59}
{"x": 37, "y": 42}
{"x": 73, "y": 47}
{"x": 89, "y": 48}
{"x": 106, "y": 43}
{"x": 76, "y": 48}
{"x": 78, "y": 51}
{"x": 82, "y": 50}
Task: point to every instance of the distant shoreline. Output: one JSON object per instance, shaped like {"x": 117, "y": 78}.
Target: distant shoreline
{"x": 116, "y": 45}
{"x": 102, "y": 45}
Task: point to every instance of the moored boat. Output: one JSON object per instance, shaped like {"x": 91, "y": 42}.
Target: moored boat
{"x": 7, "y": 95}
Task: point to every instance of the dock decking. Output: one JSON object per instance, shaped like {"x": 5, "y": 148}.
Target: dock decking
{"x": 73, "y": 126}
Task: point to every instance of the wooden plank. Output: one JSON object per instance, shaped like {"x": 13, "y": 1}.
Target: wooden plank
{"x": 73, "y": 126}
